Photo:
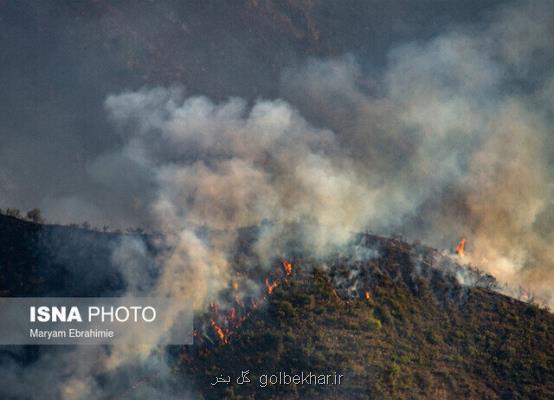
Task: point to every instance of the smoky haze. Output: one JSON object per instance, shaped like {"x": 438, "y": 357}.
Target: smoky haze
{"x": 451, "y": 139}
{"x": 436, "y": 132}
{"x": 61, "y": 61}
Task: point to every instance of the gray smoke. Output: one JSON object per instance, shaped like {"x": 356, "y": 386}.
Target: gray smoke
{"x": 450, "y": 140}
{"x": 453, "y": 139}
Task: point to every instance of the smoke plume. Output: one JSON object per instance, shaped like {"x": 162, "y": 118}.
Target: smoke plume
{"x": 453, "y": 139}
{"x": 449, "y": 140}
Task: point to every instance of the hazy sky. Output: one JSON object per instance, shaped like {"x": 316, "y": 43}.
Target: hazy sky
{"x": 60, "y": 60}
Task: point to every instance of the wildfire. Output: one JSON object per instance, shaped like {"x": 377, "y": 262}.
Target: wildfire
{"x": 220, "y": 333}
{"x": 367, "y": 296}
{"x": 460, "y": 248}
{"x": 225, "y": 323}
{"x": 287, "y": 266}
{"x": 270, "y": 286}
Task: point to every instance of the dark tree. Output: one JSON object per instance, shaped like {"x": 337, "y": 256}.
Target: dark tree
{"x": 35, "y": 215}
{"x": 13, "y": 212}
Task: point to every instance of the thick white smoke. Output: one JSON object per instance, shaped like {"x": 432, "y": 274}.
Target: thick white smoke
{"x": 454, "y": 139}
{"x": 446, "y": 142}
{"x": 232, "y": 165}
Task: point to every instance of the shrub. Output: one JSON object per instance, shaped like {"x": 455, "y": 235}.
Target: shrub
{"x": 284, "y": 309}
{"x": 394, "y": 372}
{"x": 433, "y": 337}
{"x": 35, "y": 215}
{"x": 383, "y": 314}
{"x": 374, "y": 323}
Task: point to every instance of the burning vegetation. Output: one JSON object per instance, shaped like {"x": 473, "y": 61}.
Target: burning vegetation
{"x": 270, "y": 286}
{"x": 460, "y": 247}
{"x": 399, "y": 321}
{"x": 348, "y": 280}
{"x": 224, "y": 324}
{"x": 220, "y": 333}
{"x": 287, "y": 266}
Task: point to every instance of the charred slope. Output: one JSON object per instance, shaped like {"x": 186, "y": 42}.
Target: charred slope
{"x": 396, "y": 328}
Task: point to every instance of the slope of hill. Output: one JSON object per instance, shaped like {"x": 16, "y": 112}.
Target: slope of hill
{"x": 406, "y": 332}
{"x": 390, "y": 317}
{"x": 55, "y": 260}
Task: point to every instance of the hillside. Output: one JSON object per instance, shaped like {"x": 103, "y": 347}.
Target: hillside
{"x": 55, "y": 260}
{"x": 408, "y": 334}
{"x": 390, "y": 317}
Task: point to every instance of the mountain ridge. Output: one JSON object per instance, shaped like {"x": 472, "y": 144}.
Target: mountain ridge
{"x": 394, "y": 326}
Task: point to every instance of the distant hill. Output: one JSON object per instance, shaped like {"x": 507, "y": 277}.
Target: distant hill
{"x": 56, "y": 260}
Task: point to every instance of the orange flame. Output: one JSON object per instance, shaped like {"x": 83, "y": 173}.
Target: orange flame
{"x": 367, "y": 296}
{"x": 270, "y": 286}
{"x": 220, "y": 333}
{"x": 287, "y": 266}
{"x": 460, "y": 248}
